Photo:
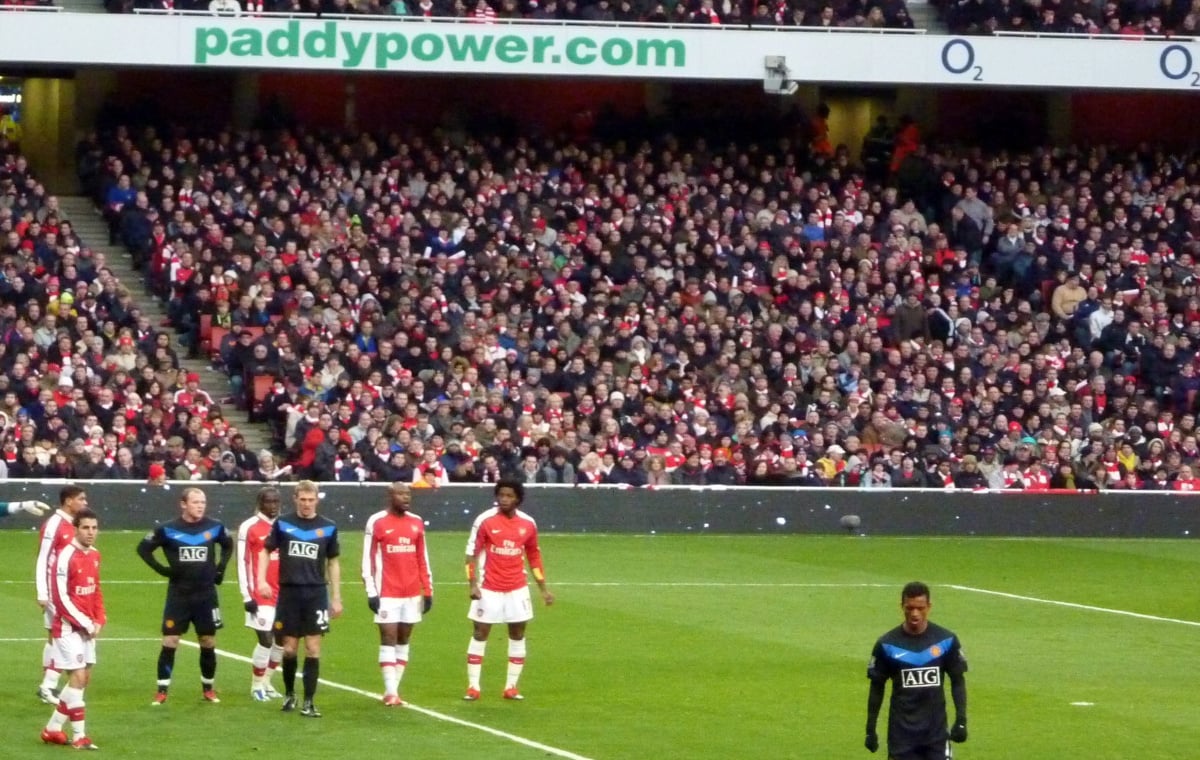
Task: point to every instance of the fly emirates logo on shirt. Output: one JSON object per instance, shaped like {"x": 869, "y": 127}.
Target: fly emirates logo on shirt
{"x": 87, "y": 589}
{"x": 403, "y": 545}
{"x": 507, "y": 549}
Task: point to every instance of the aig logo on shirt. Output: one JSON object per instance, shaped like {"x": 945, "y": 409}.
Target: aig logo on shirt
{"x": 193, "y": 554}
{"x": 302, "y": 549}
{"x": 920, "y": 678}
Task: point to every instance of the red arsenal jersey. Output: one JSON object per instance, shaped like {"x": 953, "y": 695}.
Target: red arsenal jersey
{"x": 78, "y": 601}
{"x": 57, "y": 533}
{"x": 251, "y": 535}
{"x": 501, "y": 544}
{"x": 395, "y": 561}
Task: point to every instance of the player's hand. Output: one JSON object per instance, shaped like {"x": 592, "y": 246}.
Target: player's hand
{"x": 42, "y": 603}
{"x": 250, "y": 606}
{"x": 958, "y": 733}
{"x": 547, "y": 597}
{"x": 265, "y": 591}
{"x": 373, "y": 604}
{"x": 428, "y": 604}
{"x": 872, "y": 742}
{"x": 335, "y": 609}
{"x": 35, "y": 508}
{"x": 219, "y": 578}
{"x": 475, "y": 594}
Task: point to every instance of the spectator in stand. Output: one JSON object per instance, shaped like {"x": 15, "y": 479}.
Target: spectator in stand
{"x": 498, "y": 337}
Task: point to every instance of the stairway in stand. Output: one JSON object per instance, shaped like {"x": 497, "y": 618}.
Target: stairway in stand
{"x": 92, "y": 229}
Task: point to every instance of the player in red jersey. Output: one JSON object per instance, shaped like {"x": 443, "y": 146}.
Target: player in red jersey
{"x": 501, "y": 540}
{"x": 78, "y": 604}
{"x": 395, "y": 570}
{"x": 56, "y": 534}
{"x": 260, "y": 611}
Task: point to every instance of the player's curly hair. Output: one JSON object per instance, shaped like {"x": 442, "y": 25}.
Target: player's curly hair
{"x": 517, "y": 487}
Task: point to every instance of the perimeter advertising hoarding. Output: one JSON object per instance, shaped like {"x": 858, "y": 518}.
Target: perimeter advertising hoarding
{"x": 608, "y": 509}
{"x": 720, "y": 53}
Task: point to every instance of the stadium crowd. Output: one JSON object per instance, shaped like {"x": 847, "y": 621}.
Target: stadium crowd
{"x": 639, "y": 313}
{"x": 1108, "y": 17}
{"x": 87, "y": 384}
{"x": 876, "y": 14}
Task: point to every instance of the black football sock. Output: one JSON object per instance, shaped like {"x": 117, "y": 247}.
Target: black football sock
{"x": 166, "y": 664}
{"x": 312, "y": 671}
{"x": 208, "y": 666}
{"x": 289, "y": 674}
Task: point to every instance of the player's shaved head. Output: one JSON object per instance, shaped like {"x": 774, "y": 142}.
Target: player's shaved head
{"x": 269, "y": 501}
{"x": 399, "y": 497}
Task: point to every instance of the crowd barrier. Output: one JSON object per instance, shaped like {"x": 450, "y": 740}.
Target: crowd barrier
{"x": 128, "y": 505}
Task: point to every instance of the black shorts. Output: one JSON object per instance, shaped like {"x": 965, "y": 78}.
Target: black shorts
{"x": 188, "y": 608}
{"x": 302, "y": 611}
{"x": 935, "y": 751}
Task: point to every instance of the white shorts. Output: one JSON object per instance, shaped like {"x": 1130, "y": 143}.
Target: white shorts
{"x": 262, "y": 620}
{"x": 406, "y": 610}
{"x": 73, "y": 651}
{"x": 501, "y": 606}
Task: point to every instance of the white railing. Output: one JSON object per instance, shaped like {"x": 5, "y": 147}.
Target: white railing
{"x": 526, "y": 21}
{"x": 617, "y": 487}
{"x": 28, "y": 8}
{"x": 1100, "y": 36}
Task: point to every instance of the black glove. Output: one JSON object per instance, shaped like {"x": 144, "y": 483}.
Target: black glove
{"x": 958, "y": 733}
{"x": 872, "y": 742}
{"x": 251, "y": 606}
{"x": 373, "y": 603}
{"x": 428, "y": 604}
{"x": 220, "y": 577}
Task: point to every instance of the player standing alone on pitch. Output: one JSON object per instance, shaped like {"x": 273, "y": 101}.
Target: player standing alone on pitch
{"x": 914, "y": 656}
{"x": 501, "y": 539}
{"x": 56, "y": 534}
{"x": 193, "y": 573}
{"x": 79, "y": 616}
{"x": 395, "y": 571}
{"x": 260, "y": 610}
{"x": 308, "y": 553}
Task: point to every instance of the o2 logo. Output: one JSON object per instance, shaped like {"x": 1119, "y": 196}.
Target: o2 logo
{"x": 1176, "y": 64}
{"x": 958, "y": 57}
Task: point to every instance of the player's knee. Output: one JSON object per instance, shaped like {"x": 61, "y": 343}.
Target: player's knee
{"x": 388, "y": 638}
{"x": 207, "y": 642}
{"x": 264, "y": 638}
{"x": 170, "y": 641}
{"x": 312, "y": 647}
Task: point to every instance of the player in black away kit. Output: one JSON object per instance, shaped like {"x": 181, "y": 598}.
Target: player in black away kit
{"x": 308, "y": 556}
{"x": 915, "y": 656}
{"x": 193, "y": 571}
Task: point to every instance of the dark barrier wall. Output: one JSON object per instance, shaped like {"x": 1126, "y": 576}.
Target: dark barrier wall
{"x": 137, "y": 506}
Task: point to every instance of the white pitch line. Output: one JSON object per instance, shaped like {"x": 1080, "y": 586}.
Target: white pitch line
{"x": 720, "y": 584}
{"x": 1075, "y": 605}
{"x": 101, "y": 640}
{"x": 601, "y": 584}
{"x": 426, "y": 711}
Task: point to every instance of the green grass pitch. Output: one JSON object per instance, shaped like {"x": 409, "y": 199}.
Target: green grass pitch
{"x": 674, "y": 647}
